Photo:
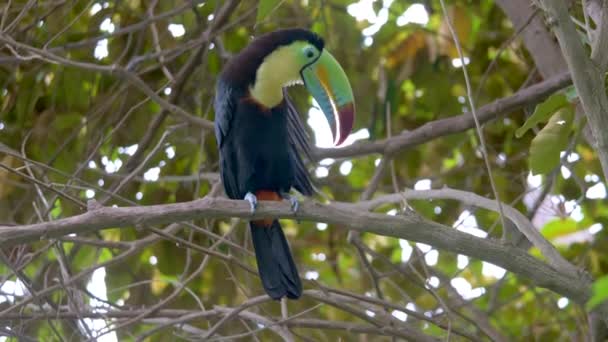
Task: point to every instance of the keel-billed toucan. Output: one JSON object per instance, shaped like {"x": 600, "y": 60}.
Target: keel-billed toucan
{"x": 260, "y": 135}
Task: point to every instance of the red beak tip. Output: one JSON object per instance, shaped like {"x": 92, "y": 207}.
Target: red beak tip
{"x": 346, "y": 117}
{"x": 340, "y": 141}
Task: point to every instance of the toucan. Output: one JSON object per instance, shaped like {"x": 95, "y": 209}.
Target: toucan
{"x": 261, "y": 138}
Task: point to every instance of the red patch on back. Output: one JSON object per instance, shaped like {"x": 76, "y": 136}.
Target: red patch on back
{"x": 266, "y": 195}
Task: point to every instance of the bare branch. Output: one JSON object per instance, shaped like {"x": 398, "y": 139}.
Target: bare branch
{"x": 587, "y": 74}
{"x": 409, "y": 227}
{"x": 455, "y": 124}
{"x": 536, "y": 37}
{"x": 521, "y": 221}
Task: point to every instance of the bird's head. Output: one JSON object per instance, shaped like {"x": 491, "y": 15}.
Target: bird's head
{"x": 285, "y": 57}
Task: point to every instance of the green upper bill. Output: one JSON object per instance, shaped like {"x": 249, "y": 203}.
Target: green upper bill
{"x": 327, "y": 83}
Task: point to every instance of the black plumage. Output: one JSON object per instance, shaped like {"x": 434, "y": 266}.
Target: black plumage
{"x": 260, "y": 152}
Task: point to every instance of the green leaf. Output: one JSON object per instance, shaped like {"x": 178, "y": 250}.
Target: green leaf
{"x": 550, "y": 141}
{"x": 559, "y": 227}
{"x": 56, "y": 212}
{"x": 542, "y": 112}
{"x": 85, "y": 257}
{"x": 600, "y": 292}
{"x": 26, "y": 101}
{"x": 265, "y": 7}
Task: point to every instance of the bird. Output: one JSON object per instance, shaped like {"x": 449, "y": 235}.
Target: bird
{"x": 262, "y": 140}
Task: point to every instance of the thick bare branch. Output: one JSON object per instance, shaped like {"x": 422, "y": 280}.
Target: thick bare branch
{"x": 588, "y": 77}
{"x": 600, "y": 43}
{"x": 523, "y": 224}
{"x": 537, "y": 38}
{"x": 176, "y": 317}
{"x": 455, "y": 124}
{"x": 409, "y": 227}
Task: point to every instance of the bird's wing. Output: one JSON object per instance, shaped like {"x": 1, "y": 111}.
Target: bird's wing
{"x": 299, "y": 142}
{"x": 225, "y": 107}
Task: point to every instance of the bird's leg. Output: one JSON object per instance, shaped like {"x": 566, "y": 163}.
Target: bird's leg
{"x": 295, "y": 205}
{"x": 253, "y": 201}
{"x": 284, "y": 313}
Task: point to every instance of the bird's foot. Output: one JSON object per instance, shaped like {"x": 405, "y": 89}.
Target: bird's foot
{"x": 295, "y": 205}
{"x": 253, "y": 201}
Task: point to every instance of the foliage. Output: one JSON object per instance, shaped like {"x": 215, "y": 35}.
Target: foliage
{"x": 600, "y": 292}
{"x": 551, "y": 140}
{"x": 543, "y": 112}
{"x": 265, "y": 7}
{"x": 77, "y": 130}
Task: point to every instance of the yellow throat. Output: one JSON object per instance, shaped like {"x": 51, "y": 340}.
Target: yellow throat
{"x": 279, "y": 69}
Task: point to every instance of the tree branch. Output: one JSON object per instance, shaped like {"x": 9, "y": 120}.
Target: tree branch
{"x": 175, "y": 317}
{"x": 451, "y": 125}
{"x": 536, "y": 37}
{"x": 390, "y": 146}
{"x": 600, "y": 43}
{"x": 115, "y": 70}
{"x": 409, "y": 227}
{"x": 523, "y": 224}
{"x": 587, "y": 75}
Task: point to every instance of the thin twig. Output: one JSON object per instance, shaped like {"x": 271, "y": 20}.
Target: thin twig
{"x": 484, "y": 149}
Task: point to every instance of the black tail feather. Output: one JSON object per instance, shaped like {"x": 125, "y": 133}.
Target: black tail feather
{"x": 275, "y": 264}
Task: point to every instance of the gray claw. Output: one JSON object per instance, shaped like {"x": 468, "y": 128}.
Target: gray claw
{"x": 253, "y": 201}
{"x": 295, "y": 204}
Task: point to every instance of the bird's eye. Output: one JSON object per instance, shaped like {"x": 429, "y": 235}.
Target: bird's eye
{"x": 309, "y": 53}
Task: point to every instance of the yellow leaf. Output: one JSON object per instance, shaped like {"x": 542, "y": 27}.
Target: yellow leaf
{"x": 158, "y": 283}
{"x": 112, "y": 234}
{"x": 461, "y": 21}
{"x": 407, "y": 49}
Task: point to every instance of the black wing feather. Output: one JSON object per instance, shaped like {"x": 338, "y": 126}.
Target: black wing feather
{"x": 224, "y": 109}
{"x": 298, "y": 135}
{"x": 300, "y": 144}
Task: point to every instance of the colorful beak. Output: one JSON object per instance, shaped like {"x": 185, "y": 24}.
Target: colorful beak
{"x": 327, "y": 83}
